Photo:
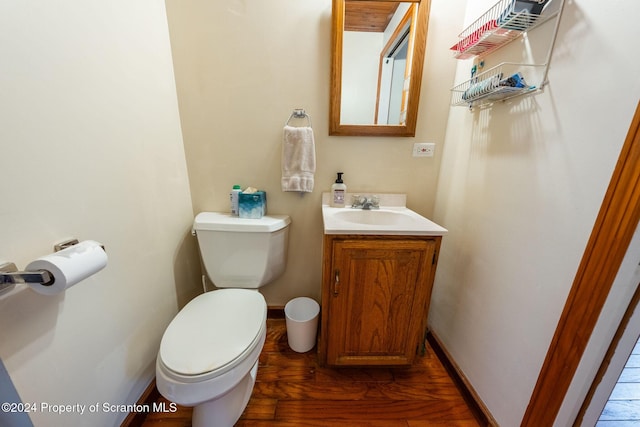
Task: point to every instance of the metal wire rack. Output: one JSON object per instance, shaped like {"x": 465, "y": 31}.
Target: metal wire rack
{"x": 504, "y": 22}
{"x": 501, "y": 24}
{"x": 499, "y": 83}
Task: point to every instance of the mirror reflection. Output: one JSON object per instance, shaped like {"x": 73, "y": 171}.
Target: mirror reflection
{"x": 374, "y": 62}
{"x": 377, "y": 66}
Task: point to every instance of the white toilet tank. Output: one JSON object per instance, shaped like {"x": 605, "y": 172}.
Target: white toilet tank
{"x": 241, "y": 252}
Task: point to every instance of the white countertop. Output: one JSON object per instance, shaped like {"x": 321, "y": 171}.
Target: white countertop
{"x": 393, "y": 218}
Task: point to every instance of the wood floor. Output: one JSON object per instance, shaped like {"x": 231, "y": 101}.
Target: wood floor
{"x": 623, "y": 407}
{"x": 293, "y": 391}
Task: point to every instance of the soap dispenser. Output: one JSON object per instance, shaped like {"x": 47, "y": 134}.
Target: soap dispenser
{"x": 338, "y": 192}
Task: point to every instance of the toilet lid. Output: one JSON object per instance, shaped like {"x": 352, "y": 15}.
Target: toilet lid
{"x": 213, "y": 330}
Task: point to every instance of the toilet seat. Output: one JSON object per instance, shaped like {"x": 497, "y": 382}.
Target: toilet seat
{"x": 213, "y": 333}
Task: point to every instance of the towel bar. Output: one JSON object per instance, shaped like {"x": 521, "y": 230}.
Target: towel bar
{"x": 299, "y": 113}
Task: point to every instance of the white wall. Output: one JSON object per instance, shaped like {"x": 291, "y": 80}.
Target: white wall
{"x": 519, "y": 190}
{"x": 235, "y": 94}
{"x": 360, "y": 63}
{"x": 91, "y": 148}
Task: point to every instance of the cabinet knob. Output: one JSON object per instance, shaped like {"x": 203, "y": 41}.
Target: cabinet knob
{"x": 336, "y": 284}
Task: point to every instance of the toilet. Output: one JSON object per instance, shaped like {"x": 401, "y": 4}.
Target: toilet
{"x": 209, "y": 353}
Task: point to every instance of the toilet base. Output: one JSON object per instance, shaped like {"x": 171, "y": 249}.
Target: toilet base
{"x": 225, "y": 410}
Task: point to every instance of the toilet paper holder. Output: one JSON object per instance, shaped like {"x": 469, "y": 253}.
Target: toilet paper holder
{"x": 10, "y": 276}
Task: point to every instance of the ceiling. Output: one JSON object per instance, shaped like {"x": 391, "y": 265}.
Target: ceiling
{"x": 369, "y": 16}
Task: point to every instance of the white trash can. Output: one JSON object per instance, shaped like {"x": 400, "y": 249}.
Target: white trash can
{"x": 302, "y": 323}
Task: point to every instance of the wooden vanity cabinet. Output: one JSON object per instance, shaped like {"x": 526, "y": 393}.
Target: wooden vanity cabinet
{"x": 375, "y": 298}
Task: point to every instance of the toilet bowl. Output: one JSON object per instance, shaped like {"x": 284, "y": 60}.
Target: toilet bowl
{"x": 209, "y": 353}
{"x": 208, "y": 356}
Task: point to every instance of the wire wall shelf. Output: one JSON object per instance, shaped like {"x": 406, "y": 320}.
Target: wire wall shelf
{"x": 499, "y": 83}
{"x": 501, "y": 24}
{"x": 506, "y": 21}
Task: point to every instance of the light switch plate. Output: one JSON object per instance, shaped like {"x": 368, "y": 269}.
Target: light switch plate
{"x": 424, "y": 149}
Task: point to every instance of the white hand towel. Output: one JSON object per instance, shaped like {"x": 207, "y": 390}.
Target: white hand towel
{"x": 298, "y": 159}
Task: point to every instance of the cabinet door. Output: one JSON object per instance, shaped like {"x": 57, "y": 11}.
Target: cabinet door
{"x": 379, "y": 300}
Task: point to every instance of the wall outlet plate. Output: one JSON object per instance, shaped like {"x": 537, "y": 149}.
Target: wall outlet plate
{"x": 424, "y": 149}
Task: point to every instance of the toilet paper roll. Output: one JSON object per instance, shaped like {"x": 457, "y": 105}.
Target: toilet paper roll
{"x": 69, "y": 266}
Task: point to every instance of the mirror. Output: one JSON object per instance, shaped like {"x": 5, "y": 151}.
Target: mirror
{"x": 376, "y": 72}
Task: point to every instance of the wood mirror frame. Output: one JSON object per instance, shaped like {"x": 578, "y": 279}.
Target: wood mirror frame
{"x": 415, "y": 81}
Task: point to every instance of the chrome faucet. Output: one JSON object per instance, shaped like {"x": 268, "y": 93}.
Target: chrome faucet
{"x": 364, "y": 202}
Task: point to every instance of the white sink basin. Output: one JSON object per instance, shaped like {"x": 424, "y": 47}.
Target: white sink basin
{"x": 373, "y": 217}
{"x": 388, "y": 220}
